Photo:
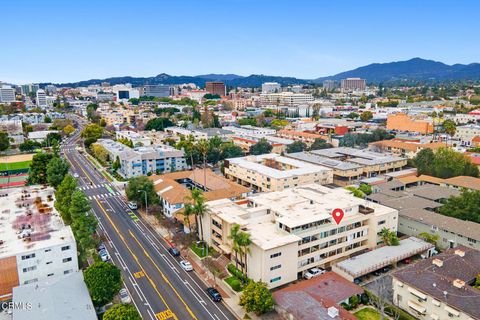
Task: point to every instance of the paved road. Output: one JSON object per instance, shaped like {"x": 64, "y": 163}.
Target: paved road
{"x": 159, "y": 287}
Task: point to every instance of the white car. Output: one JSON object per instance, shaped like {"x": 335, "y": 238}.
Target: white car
{"x": 187, "y": 266}
{"x": 124, "y": 296}
{"x": 132, "y": 205}
{"x": 104, "y": 255}
{"x": 314, "y": 272}
{"x": 75, "y": 175}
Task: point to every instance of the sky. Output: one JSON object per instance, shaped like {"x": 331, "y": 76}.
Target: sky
{"x": 66, "y": 41}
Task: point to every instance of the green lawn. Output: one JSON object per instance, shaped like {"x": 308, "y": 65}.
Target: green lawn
{"x": 367, "y": 314}
{"x": 15, "y": 165}
{"x": 201, "y": 251}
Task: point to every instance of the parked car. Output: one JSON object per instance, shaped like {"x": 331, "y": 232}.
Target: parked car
{"x": 187, "y": 266}
{"x": 357, "y": 280}
{"x": 174, "y": 251}
{"x": 104, "y": 255}
{"x": 386, "y": 269}
{"x": 377, "y": 273}
{"x": 124, "y": 296}
{"x": 214, "y": 294}
{"x": 312, "y": 273}
{"x": 407, "y": 261}
{"x": 132, "y": 205}
{"x": 101, "y": 247}
{"x": 75, "y": 175}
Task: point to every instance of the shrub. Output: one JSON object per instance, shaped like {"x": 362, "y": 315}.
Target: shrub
{"x": 236, "y": 285}
{"x": 346, "y": 306}
{"x": 354, "y": 301}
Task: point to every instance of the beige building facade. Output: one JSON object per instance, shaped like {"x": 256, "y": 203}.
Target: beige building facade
{"x": 293, "y": 230}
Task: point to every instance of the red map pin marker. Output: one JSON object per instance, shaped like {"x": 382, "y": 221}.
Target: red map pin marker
{"x": 337, "y": 215}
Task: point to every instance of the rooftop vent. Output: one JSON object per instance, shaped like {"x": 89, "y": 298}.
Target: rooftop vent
{"x": 332, "y": 312}
{"x": 460, "y": 253}
{"x": 457, "y": 283}
{"x": 437, "y": 262}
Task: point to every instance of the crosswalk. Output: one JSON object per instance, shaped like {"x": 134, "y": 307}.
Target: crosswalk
{"x": 103, "y": 196}
{"x": 94, "y": 186}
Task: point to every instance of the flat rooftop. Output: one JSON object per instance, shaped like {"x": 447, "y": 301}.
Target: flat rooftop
{"x": 295, "y": 167}
{"x": 29, "y": 221}
{"x": 60, "y": 298}
{"x": 362, "y": 157}
{"x": 373, "y": 260}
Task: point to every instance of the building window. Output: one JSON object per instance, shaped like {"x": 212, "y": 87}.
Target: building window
{"x": 67, "y": 259}
{"x": 48, "y": 250}
{"x": 28, "y": 256}
{"x": 275, "y": 279}
{"x": 68, "y": 271}
{"x": 381, "y": 222}
{"x": 32, "y": 268}
{"x": 30, "y": 281}
{"x": 278, "y": 266}
{"x": 49, "y": 262}
{"x": 64, "y": 248}
{"x": 50, "y": 274}
{"x": 278, "y": 254}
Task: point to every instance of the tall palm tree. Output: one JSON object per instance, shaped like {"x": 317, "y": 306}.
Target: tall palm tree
{"x": 244, "y": 242}
{"x": 234, "y": 236}
{"x": 203, "y": 147}
{"x": 187, "y": 212}
{"x": 385, "y": 235}
{"x": 199, "y": 209}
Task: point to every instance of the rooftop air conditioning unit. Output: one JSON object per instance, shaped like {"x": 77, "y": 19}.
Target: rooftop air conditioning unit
{"x": 333, "y": 312}
{"x": 437, "y": 262}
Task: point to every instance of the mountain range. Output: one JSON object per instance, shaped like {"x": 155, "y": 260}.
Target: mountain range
{"x": 411, "y": 71}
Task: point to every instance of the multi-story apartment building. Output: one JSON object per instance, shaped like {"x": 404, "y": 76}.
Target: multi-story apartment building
{"x": 250, "y": 131}
{"x": 286, "y": 98}
{"x": 272, "y": 172}
{"x": 14, "y": 129}
{"x": 216, "y": 88}
{"x": 29, "y": 88}
{"x": 34, "y": 242}
{"x": 403, "y": 148}
{"x": 467, "y": 133}
{"x": 307, "y": 137}
{"x": 330, "y": 85}
{"x": 143, "y": 160}
{"x": 350, "y": 165}
{"x": 403, "y": 122}
{"x": 293, "y": 230}
{"x": 41, "y": 98}
{"x": 440, "y": 287}
{"x": 353, "y": 84}
{"x": 137, "y": 139}
{"x": 271, "y": 87}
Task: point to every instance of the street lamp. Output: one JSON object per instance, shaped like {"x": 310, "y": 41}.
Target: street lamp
{"x": 146, "y": 204}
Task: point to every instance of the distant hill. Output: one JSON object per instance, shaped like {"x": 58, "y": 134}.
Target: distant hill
{"x": 410, "y": 71}
{"x": 415, "y": 69}
{"x": 163, "y": 78}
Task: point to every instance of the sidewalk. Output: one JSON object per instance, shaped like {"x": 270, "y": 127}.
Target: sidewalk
{"x": 231, "y": 298}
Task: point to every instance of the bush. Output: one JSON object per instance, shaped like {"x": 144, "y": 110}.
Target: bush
{"x": 237, "y": 273}
{"x": 346, "y": 306}
{"x": 354, "y": 301}
{"x": 236, "y": 285}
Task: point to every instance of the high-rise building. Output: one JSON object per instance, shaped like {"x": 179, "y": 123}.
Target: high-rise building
{"x": 7, "y": 94}
{"x": 354, "y": 84}
{"x": 216, "y": 88}
{"x": 330, "y": 85}
{"x": 51, "y": 89}
{"x": 271, "y": 87}
{"x": 158, "y": 91}
{"x": 30, "y": 88}
{"x": 41, "y": 98}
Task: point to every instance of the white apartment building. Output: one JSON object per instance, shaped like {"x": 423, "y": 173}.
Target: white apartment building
{"x": 7, "y": 94}
{"x": 272, "y": 172}
{"x": 35, "y": 244}
{"x": 286, "y": 98}
{"x": 466, "y": 133}
{"x": 143, "y": 160}
{"x": 271, "y": 87}
{"x": 41, "y": 98}
{"x": 250, "y": 131}
{"x": 136, "y": 138}
{"x": 293, "y": 230}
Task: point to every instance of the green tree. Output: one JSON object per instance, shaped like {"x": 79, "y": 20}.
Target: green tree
{"x": 429, "y": 237}
{"x": 158, "y": 124}
{"x": 135, "y": 191}
{"x": 29, "y": 145}
{"x": 83, "y": 223}
{"x": 450, "y": 127}
{"x": 234, "y": 236}
{"x": 389, "y": 237}
{"x": 320, "y": 144}
{"x": 261, "y": 147}
{"x": 4, "y": 141}
{"x": 122, "y": 311}
{"x": 356, "y": 192}
{"x": 297, "y": 146}
{"x": 257, "y": 298}
{"x": 92, "y": 132}
{"x": 279, "y": 123}
{"x": 116, "y": 164}
{"x": 244, "y": 241}
{"x": 68, "y": 129}
{"x": 38, "y": 168}
{"x": 247, "y": 121}
{"x": 352, "y": 115}
{"x": 103, "y": 281}
{"x": 365, "y": 188}
{"x": 268, "y": 113}
{"x": 423, "y": 161}
{"x": 57, "y": 168}
{"x": 366, "y": 116}
{"x": 203, "y": 147}
{"x": 466, "y": 206}
{"x": 199, "y": 209}
{"x": 63, "y": 196}
{"x": 448, "y": 163}
{"x": 230, "y": 150}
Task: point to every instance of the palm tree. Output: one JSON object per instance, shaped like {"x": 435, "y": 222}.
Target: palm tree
{"x": 199, "y": 209}
{"x": 450, "y": 128}
{"x": 234, "y": 236}
{"x": 385, "y": 235}
{"x": 187, "y": 212}
{"x": 203, "y": 146}
{"x": 244, "y": 242}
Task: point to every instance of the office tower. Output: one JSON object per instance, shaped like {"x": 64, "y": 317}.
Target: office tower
{"x": 271, "y": 87}
{"x": 353, "y": 84}
{"x": 158, "y": 91}
{"x": 7, "y": 94}
{"x": 330, "y": 85}
{"x": 215, "y": 88}
{"x": 41, "y": 98}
